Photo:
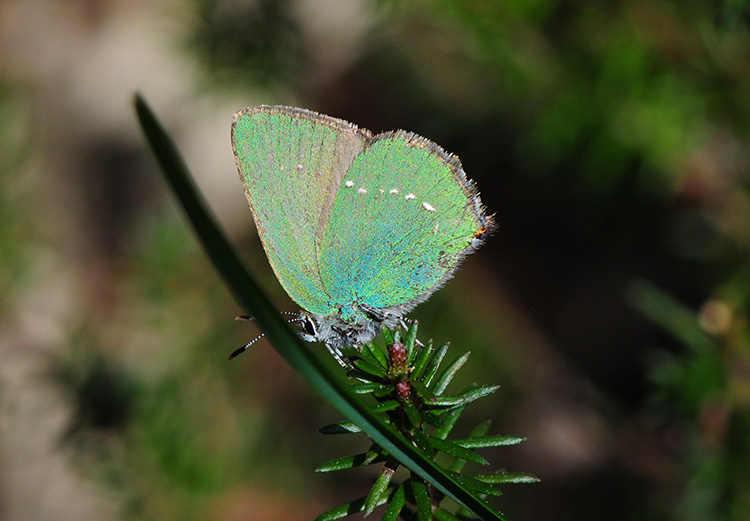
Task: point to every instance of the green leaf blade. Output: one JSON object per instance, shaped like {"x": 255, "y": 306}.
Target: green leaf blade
{"x": 422, "y": 499}
{"x": 482, "y": 442}
{"x": 457, "y": 451}
{"x": 447, "y": 377}
{"x": 378, "y": 493}
{"x": 349, "y": 462}
{"x": 395, "y": 505}
{"x": 502, "y": 477}
{"x": 464, "y": 398}
{"x": 340, "y": 428}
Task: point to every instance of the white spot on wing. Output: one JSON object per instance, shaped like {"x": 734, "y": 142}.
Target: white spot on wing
{"x": 393, "y": 191}
{"x": 410, "y": 196}
{"x": 349, "y": 184}
{"x": 427, "y": 206}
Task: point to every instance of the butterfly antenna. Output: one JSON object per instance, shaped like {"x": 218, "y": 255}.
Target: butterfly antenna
{"x": 249, "y": 318}
{"x": 245, "y": 347}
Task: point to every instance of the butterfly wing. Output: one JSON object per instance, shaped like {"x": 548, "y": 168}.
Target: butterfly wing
{"x": 403, "y": 220}
{"x": 291, "y": 162}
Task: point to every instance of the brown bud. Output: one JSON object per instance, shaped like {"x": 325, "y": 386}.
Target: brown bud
{"x": 403, "y": 391}
{"x": 398, "y": 358}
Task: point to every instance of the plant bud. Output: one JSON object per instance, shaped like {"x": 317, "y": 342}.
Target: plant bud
{"x": 398, "y": 358}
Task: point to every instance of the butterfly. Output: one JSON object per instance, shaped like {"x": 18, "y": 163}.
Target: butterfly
{"x": 358, "y": 227}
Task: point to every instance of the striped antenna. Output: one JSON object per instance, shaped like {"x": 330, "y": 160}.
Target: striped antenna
{"x": 248, "y": 318}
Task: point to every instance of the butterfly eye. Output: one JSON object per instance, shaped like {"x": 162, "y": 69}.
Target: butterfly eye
{"x": 308, "y": 326}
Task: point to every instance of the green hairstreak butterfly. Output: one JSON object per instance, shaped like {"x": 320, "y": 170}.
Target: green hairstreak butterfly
{"x": 358, "y": 227}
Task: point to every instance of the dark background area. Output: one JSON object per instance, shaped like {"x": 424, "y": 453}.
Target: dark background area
{"x": 611, "y": 304}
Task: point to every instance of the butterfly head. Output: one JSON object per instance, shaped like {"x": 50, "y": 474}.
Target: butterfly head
{"x": 338, "y": 333}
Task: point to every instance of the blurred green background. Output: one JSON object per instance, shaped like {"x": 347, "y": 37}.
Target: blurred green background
{"x": 609, "y": 138}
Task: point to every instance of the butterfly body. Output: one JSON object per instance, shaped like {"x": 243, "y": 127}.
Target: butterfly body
{"x": 359, "y": 228}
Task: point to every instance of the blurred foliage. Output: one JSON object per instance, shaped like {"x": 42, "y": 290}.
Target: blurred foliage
{"x": 259, "y": 41}
{"x": 19, "y": 235}
{"x": 706, "y": 389}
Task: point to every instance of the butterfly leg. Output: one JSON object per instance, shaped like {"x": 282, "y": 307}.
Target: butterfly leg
{"x": 336, "y": 354}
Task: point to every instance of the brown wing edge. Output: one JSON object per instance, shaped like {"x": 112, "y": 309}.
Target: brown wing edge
{"x": 309, "y": 115}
